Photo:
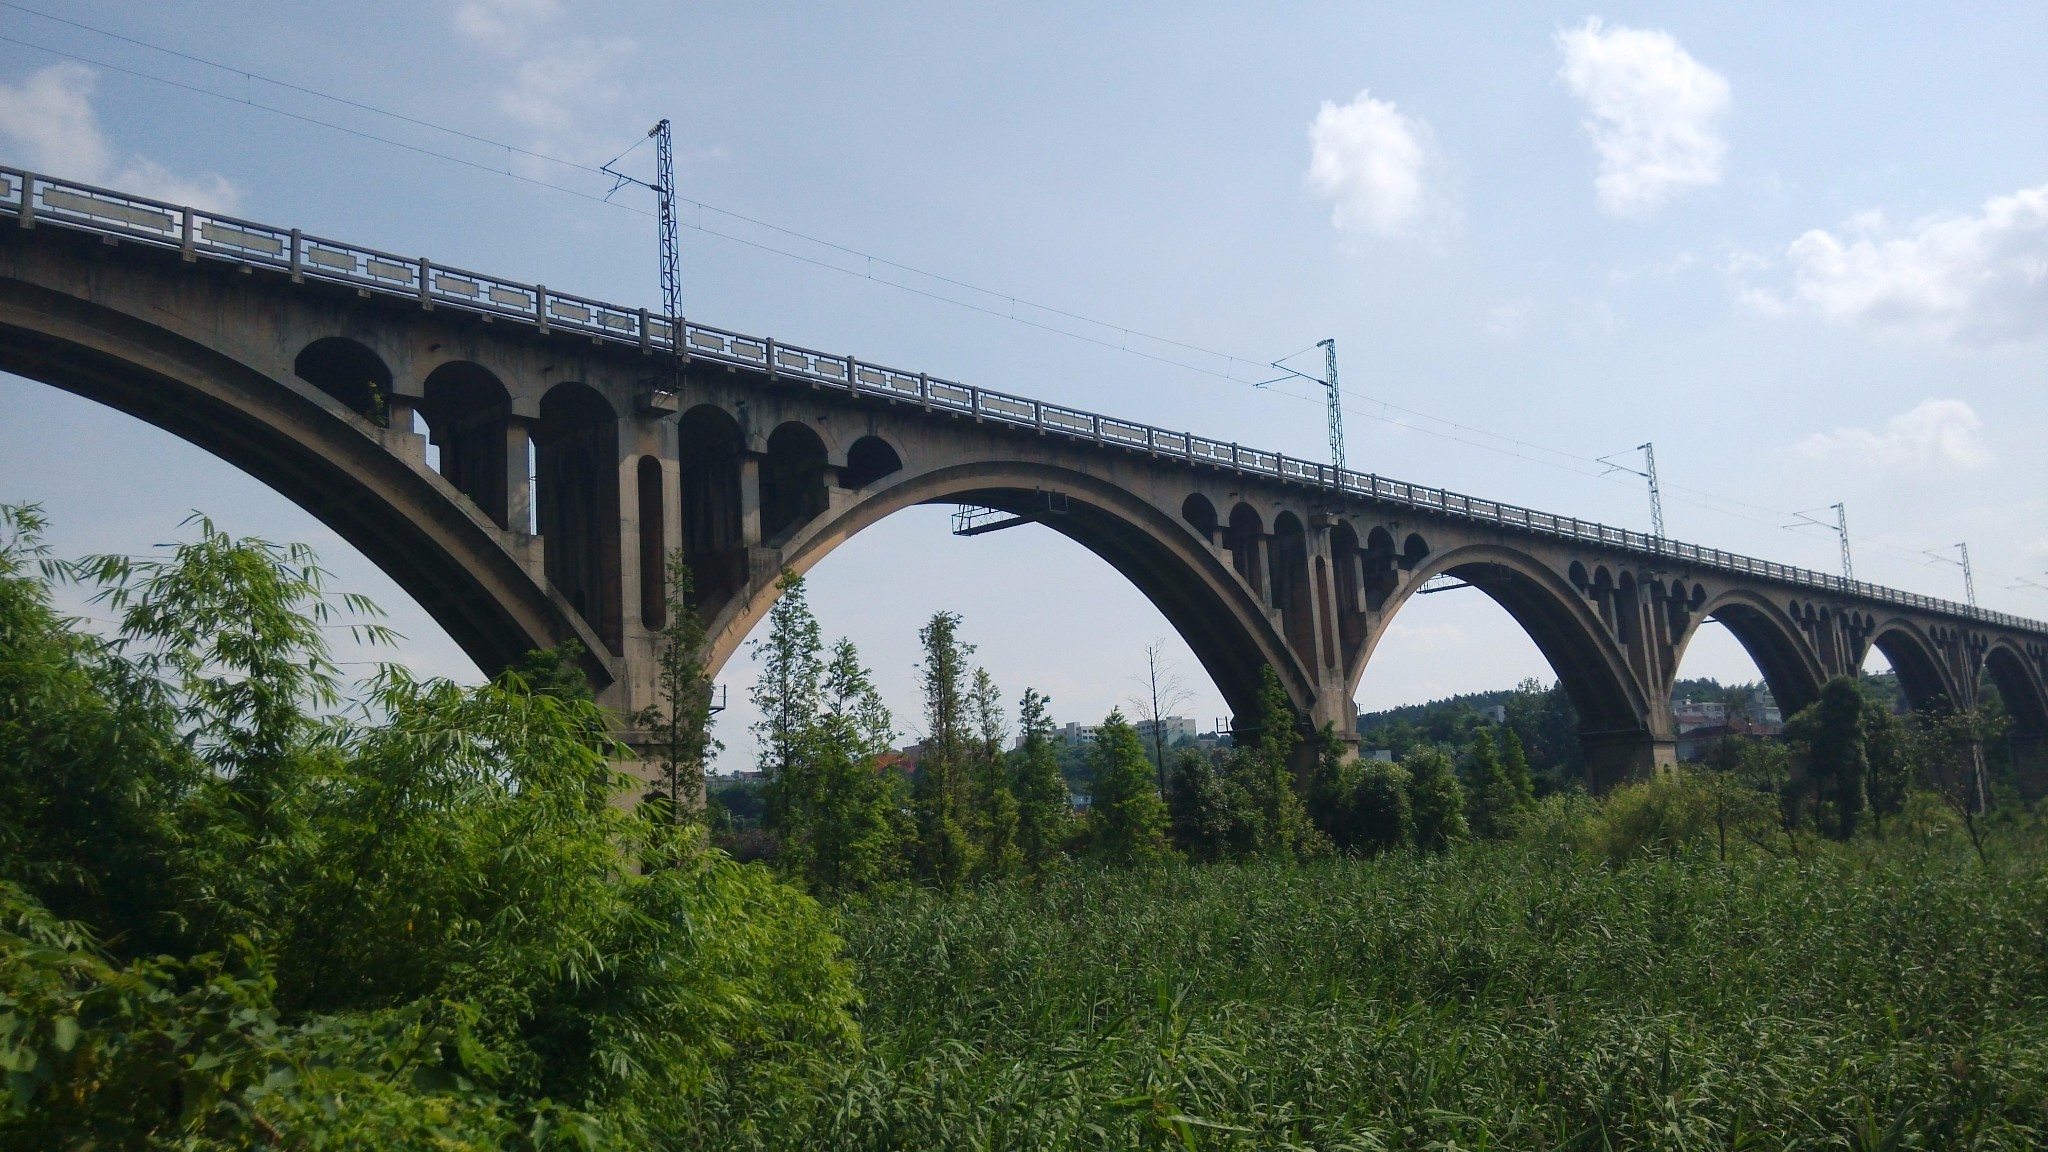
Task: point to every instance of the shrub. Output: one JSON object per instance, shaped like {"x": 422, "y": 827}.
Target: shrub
{"x": 1664, "y": 817}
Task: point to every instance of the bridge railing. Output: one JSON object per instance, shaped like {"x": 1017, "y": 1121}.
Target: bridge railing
{"x": 36, "y": 200}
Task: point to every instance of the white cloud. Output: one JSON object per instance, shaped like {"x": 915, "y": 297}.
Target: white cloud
{"x": 1372, "y": 163}
{"x": 1509, "y": 321}
{"x": 1932, "y": 434}
{"x": 558, "y": 79}
{"x": 1653, "y": 112}
{"x": 50, "y": 126}
{"x": 1982, "y": 278}
{"x": 502, "y": 23}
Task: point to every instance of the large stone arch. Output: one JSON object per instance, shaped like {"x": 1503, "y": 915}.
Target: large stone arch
{"x": 1774, "y": 642}
{"x": 1914, "y": 656}
{"x": 2019, "y": 685}
{"x": 1624, "y": 732}
{"x": 363, "y": 480}
{"x": 1191, "y": 584}
{"x": 2017, "y": 676}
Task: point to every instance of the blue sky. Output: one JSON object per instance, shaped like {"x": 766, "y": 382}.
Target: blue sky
{"x": 1804, "y": 251}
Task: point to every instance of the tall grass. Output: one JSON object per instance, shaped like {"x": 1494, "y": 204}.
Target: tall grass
{"x": 1508, "y": 996}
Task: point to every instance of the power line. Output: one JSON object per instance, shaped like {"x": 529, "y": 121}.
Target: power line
{"x": 1457, "y": 432}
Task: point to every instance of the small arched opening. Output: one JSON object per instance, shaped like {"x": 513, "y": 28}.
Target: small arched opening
{"x": 870, "y": 459}
{"x": 1245, "y": 541}
{"x": 465, "y": 408}
{"x": 350, "y": 373}
{"x": 792, "y": 481}
{"x": 1200, "y": 515}
{"x": 576, "y": 442}
{"x": 708, "y": 443}
{"x": 1379, "y": 568}
{"x": 653, "y": 545}
{"x": 1414, "y": 550}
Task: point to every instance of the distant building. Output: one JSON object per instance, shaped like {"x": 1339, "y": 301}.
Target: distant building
{"x": 1691, "y": 714}
{"x": 1498, "y": 713}
{"x": 1175, "y": 729}
{"x": 1071, "y": 733}
{"x": 1383, "y": 755}
{"x": 1761, "y": 708}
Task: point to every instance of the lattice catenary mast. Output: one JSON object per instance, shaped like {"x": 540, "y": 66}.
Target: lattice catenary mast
{"x": 1329, "y": 348}
{"x": 1656, "y": 496}
{"x": 664, "y": 189}
{"x": 1842, "y": 530}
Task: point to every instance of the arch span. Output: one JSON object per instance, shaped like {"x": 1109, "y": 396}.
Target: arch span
{"x": 1773, "y": 640}
{"x": 314, "y": 448}
{"x": 1618, "y": 727}
{"x": 1913, "y": 656}
{"x": 1193, "y": 585}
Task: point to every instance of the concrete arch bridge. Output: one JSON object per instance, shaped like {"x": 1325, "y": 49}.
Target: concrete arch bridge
{"x": 578, "y": 442}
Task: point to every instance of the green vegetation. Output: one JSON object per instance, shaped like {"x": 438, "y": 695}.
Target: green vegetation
{"x": 242, "y": 908}
{"x": 234, "y": 914}
{"x": 1509, "y": 995}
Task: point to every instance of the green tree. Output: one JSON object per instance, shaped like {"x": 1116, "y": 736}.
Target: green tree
{"x": 1126, "y": 818}
{"x": 995, "y": 805}
{"x": 1514, "y": 765}
{"x": 1266, "y": 775}
{"x": 1494, "y": 800}
{"x": 788, "y": 690}
{"x": 1332, "y": 791}
{"x": 680, "y": 718}
{"x": 1946, "y": 749}
{"x": 1198, "y": 807}
{"x": 939, "y": 791}
{"x": 853, "y": 836}
{"x": 1829, "y": 736}
{"x": 1435, "y": 801}
{"x": 398, "y": 924}
{"x": 556, "y": 671}
{"x": 1889, "y": 774}
{"x": 1045, "y": 812}
{"x": 1381, "y": 812}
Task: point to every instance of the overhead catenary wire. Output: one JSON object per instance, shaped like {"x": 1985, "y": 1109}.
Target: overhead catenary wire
{"x": 1416, "y": 420}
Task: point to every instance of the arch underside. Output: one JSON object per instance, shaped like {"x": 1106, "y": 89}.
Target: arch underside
{"x": 1590, "y": 668}
{"x": 1779, "y": 653}
{"x": 2019, "y": 688}
{"x": 1189, "y": 586}
{"x": 445, "y": 556}
{"x": 1914, "y": 660}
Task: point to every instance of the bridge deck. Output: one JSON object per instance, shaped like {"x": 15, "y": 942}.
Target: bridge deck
{"x": 35, "y": 201}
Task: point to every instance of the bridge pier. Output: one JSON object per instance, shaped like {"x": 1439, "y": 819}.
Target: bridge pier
{"x": 1617, "y": 758}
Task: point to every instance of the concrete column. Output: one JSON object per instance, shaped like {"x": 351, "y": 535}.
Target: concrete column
{"x": 518, "y": 476}
{"x": 1322, "y": 619}
{"x": 1617, "y": 758}
{"x": 1265, "y": 563}
{"x": 750, "y": 500}
{"x": 632, "y": 629}
{"x": 397, "y": 434}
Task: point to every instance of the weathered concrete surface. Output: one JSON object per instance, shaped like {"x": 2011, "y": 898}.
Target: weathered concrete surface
{"x": 311, "y": 388}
